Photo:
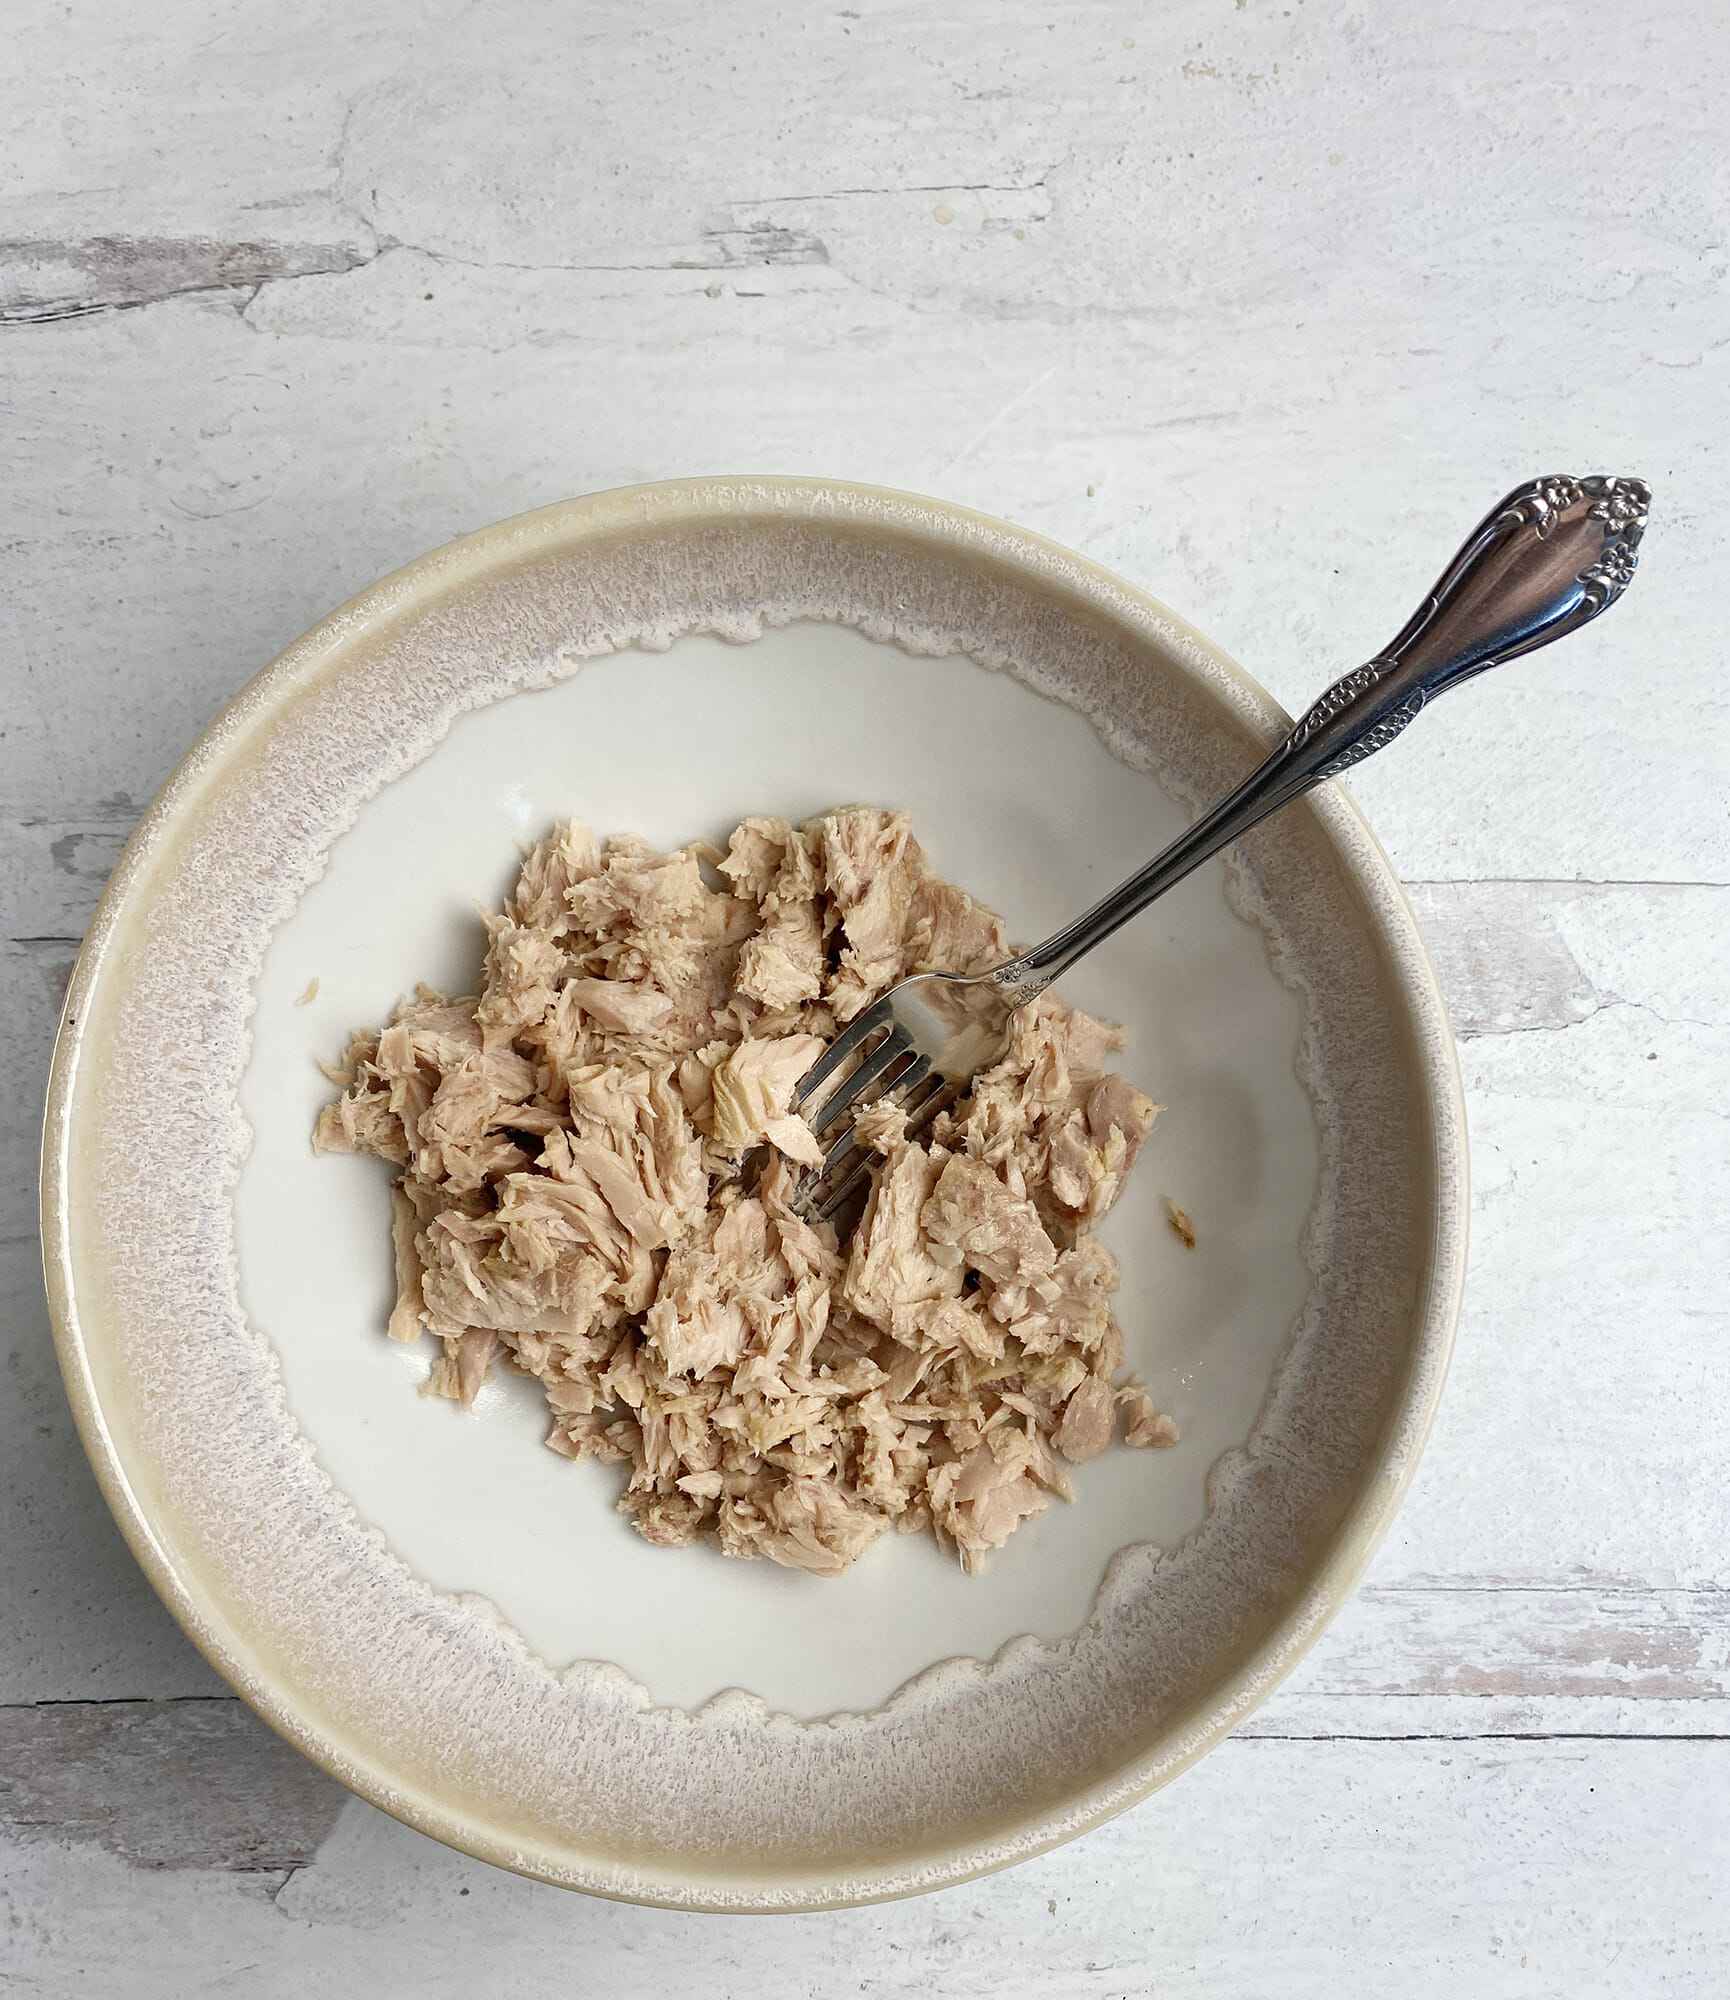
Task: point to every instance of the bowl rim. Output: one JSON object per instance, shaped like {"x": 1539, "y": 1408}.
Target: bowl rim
{"x": 401, "y": 597}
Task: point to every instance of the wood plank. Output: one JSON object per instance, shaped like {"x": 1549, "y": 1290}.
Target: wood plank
{"x": 1480, "y": 1639}
{"x": 78, "y": 1620}
{"x": 1517, "y": 956}
{"x": 1305, "y": 1869}
{"x": 33, "y": 975}
{"x": 53, "y": 870}
{"x": 183, "y": 1784}
{"x": 1503, "y": 963}
{"x": 1476, "y": 1658}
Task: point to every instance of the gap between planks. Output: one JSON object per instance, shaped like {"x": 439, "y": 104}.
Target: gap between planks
{"x": 201, "y": 1783}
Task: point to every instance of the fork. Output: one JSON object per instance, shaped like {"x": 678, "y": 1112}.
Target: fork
{"x": 1549, "y": 558}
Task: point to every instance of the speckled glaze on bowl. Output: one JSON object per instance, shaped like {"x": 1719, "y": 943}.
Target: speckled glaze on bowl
{"x": 428, "y": 1702}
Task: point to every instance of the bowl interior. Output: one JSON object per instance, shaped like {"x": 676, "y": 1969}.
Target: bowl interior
{"x": 1014, "y": 797}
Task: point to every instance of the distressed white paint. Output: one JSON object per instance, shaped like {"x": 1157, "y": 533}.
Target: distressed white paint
{"x": 1586, "y": 1869}
{"x": 1258, "y": 303}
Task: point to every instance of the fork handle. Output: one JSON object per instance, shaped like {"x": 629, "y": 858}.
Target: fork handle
{"x": 1553, "y": 555}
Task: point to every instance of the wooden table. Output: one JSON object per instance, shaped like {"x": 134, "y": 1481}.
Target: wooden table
{"x": 1259, "y": 304}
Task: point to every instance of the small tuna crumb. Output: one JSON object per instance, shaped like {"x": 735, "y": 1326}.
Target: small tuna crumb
{"x": 1181, "y": 1226}
{"x": 1145, "y": 1427}
{"x": 310, "y": 995}
{"x": 569, "y": 1203}
{"x": 880, "y": 1126}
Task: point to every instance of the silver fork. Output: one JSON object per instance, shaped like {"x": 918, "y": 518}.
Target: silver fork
{"x": 1552, "y": 556}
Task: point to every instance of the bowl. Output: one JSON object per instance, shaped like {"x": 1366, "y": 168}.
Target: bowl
{"x": 456, "y": 1623}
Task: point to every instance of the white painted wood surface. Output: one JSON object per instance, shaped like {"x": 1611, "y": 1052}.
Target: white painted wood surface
{"x": 1258, "y": 303}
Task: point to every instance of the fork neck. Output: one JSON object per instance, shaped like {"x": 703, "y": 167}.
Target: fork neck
{"x": 1277, "y": 780}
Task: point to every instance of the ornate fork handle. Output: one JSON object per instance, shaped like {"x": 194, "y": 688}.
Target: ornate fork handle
{"x": 1551, "y": 557}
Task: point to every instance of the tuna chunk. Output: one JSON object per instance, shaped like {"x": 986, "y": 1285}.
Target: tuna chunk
{"x": 1091, "y": 1152}
{"x": 808, "y": 1524}
{"x": 975, "y": 1218}
{"x": 892, "y": 1278}
{"x": 783, "y": 964}
{"x": 553, "y": 868}
{"x": 1088, "y": 1418}
{"x": 753, "y": 1086}
{"x": 871, "y": 865}
{"x": 947, "y": 931}
{"x": 772, "y": 863}
{"x": 462, "y": 1368}
{"x": 362, "y": 1121}
{"x": 981, "y": 1501}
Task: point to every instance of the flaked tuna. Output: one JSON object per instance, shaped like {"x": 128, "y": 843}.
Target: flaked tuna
{"x": 569, "y": 1200}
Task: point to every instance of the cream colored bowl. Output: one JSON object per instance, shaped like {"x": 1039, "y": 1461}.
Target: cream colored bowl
{"x": 455, "y": 1622}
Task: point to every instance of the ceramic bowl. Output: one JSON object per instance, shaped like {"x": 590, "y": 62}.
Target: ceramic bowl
{"x": 457, "y": 1623}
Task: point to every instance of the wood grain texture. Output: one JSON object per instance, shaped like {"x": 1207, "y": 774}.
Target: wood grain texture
{"x": 1259, "y": 303}
{"x": 184, "y": 1784}
{"x": 1586, "y": 1869}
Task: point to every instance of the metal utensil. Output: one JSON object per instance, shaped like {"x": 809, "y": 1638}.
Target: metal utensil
{"x": 1550, "y": 557}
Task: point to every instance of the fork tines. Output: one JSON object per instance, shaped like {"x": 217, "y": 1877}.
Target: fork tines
{"x": 886, "y": 1066}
